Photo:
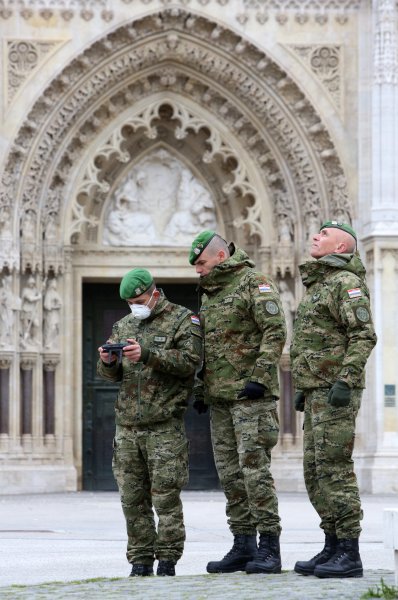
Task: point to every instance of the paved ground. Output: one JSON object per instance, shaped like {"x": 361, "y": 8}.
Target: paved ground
{"x": 74, "y": 538}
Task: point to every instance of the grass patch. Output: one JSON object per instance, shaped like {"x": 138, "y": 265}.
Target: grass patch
{"x": 75, "y": 582}
{"x": 382, "y": 591}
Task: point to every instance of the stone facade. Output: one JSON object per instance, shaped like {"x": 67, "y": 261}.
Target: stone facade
{"x": 260, "y": 117}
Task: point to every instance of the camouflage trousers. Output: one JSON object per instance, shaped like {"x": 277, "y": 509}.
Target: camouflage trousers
{"x": 151, "y": 467}
{"x": 329, "y": 434}
{"x": 243, "y": 434}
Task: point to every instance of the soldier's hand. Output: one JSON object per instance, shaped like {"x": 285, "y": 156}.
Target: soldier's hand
{"x": 104, "y": 356}
{"x": 132, "y": 351}
{"x": 252, "y": 391}
{"x": 299, "y": 401}
{"x": 200, "y": 406}
{"x": 339, "y": 394}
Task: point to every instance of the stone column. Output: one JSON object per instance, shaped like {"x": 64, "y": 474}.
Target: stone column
{"x": 288, "y": 414}
{"x": 28, "y": 361}
{"x": 380, "y": 245}
{"x": 50, "y": 363}
{"x": 5, "y": 363}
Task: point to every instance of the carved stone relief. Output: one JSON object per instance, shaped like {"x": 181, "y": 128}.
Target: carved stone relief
{"x": 30, "y": 322}
{"x": 160, "y": 201}
{"x": 24, "y": 56}
{"x": 191, "y": 55}
{"x": 9, "y": 304}
{"x": 282, "y": 10}
{"x": 325, "y": 62}
{"x": 9, "y": 254}
{"x": 52, "y": 305}
{"x": 386, "y": 43}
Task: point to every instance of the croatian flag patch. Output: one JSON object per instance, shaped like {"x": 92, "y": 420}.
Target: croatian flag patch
{"x": 195, "y": 320}
{"x": 264, "y": 287}
{"x": 354, "y": 293}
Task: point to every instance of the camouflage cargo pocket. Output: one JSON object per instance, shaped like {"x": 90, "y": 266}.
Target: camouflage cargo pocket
{"x": 169, "y": 463}
{"x": 268, "y": 429}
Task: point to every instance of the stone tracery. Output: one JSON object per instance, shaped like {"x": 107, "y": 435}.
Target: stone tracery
{"x": 239, "y": 88}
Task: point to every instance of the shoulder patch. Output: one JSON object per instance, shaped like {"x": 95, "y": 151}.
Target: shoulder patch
{"x": 362, "y": 314}
{"x": 354, "y": 293}
{"x": 271, "y": 307}
{"x": 263, "y": 288}
{"x": 195, "y": 320}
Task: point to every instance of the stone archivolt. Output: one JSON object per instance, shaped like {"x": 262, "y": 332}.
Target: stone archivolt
{"x": 206, "y": 93}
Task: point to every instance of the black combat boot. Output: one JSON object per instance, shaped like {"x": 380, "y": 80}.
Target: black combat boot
{"x": 268, "y": 557}
{"x": 345, "y": 563}
{"x": 166, "y": 567}
{"x": 307, "y": 567}
{"x": 140, "y": 570}
{"x": 243, "y": 550}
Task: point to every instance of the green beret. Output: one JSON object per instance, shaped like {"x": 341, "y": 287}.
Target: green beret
{"x": 339, "y": 225}
{"x": 199, "y": 244}
{"x": 135, "y": 283}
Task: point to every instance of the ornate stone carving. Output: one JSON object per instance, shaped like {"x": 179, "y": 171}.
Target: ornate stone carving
{"x": 5, "y": 360}
{"x": 9, "y": 304}
{"x": 9, "y": 255}
{"x": 23, "y": 58}
{"x": 160, "y": 199}
{"x": 52, "y": 305}
{"x": 234, "y": 92}
{"x": 386, "y": 43}
{"x": 51, "y": 361}
{"x": 283, "y": 251}
{"x": 339, "y": 202}
{"x": 28, "y": 361}
{"x": 325, "y": 62}
{"x": 30, "y": 321}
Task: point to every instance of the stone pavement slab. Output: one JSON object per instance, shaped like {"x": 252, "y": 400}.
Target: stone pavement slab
{"x": 286, "y": 586}
{"x": 80, "y": 536}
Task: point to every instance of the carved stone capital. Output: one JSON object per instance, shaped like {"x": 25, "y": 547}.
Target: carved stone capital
{"x": 28, "y": 360}
{"x": 51, "y": 361}
{"x": 5, "y": 360}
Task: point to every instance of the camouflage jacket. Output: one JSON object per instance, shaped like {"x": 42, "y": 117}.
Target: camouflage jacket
{"x": 158, "y": 387}
{"x": 244, "y": 329}
{"x": 333, "y": 333}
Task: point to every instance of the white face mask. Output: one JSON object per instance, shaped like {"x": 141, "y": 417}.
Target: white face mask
{"x": 141, "y": 311}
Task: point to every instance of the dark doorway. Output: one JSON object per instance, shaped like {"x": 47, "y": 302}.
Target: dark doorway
{"x": 101, "y": 308}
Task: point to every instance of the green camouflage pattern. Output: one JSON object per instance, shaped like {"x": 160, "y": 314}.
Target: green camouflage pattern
{"x": 333, "y": 333}
{"x": 150, "y": 459}
{"x": 333, "y": 336}
{"x": 151, "y": 467}
{"x": 243, "y": 435}
{"x": 244, "y": 329}
{"x": 329, "y": 435}
{"x": 159, "y": 388}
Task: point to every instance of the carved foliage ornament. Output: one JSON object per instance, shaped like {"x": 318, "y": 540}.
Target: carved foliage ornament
{"x": 325, "y": 62}
{"x": 86, "y": 9}
{"x": 386, "y": 43}
{"x": 229, "y": 74}
{"x": 92, "y": 180}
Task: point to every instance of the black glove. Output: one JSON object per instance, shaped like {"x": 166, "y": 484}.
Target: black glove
{"x": 252, "y": 390}
{"x": 339, "y": 394}
{"x": 200, "y": 406}
{"x": 299, "y": 400}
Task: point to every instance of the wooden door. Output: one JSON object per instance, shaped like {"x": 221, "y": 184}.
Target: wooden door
{"x": 101, "y": 308}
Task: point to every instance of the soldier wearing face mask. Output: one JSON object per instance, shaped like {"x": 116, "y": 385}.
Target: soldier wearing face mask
{"x": 150, "y": 460}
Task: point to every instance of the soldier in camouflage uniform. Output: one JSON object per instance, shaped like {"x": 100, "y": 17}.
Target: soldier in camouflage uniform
{"x": 244, "y": 334}
{"x": 150, "y": 460}
{"x": 333, "y": 336}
